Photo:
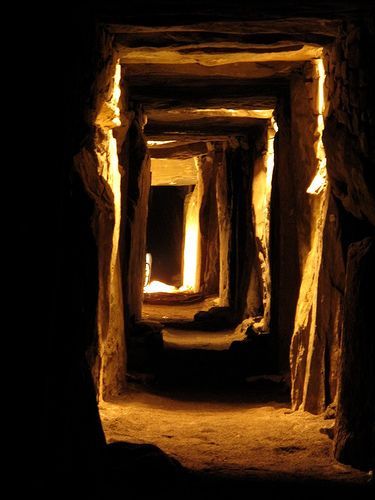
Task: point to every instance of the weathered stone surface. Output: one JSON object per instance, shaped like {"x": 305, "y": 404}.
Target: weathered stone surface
{"x": 321, "y": 386}
{"x": 210, "y": 251}
{"x": 270, "y": 19}
{"x": 179, "y": 40}
{"x": 137, "y": 190}
{"x": 196, "y": 75}
{"x": 213, "y": 126}
{"x": 354, "y": 433}
{"x": 68, "y": 440}
{"x": 347, "y": 171}
{"x": 191, "y": 119}
{"x": 285, "y": 270}
{"x": 101, "y": 176}
{"x": 179, "y": 150}
{"x": 240, "y": 158}
{"x": 311, "y": 216}
{"x": 261, "y": 211}
{"x": 174, "y": 172}
{"x": 223, "y": 215}
{"x": 178, "y": 298}
{"x": 248, "y": 95}
{"x": 216, "y": 318}
{"x": 217, "y": 56}
{"x": 349, "y": 133}
{"x": 349, "y": 145}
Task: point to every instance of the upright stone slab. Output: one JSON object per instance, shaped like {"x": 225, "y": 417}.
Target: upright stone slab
{"x": 355, "y": 423}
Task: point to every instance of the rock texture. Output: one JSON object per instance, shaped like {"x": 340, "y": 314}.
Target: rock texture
{"x": 349, "y": 133}
{"x": 223, "y": 215}
{"x": 285, "y": 270}
{"x": 210, "y": 251}
{"x": 97, "y": 164}
{"x": 311, "y": 216}
{"x": 354, "y": 441}
{"x": 137, "y": 193}
{"x": 240, "y": 157}
{"x": 174, "y": 172}
{"x": 321, "y": 389}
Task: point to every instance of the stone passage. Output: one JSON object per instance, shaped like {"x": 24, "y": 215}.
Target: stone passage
{"x": 233, "y": 144}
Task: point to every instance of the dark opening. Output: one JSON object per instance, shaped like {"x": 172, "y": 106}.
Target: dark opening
{"x": 165, "y": 232}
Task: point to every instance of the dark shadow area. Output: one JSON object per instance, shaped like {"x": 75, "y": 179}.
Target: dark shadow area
{"x": 211, "y": 368}
{"x": 256, "y": 390}
{"x": 165, "y": 232}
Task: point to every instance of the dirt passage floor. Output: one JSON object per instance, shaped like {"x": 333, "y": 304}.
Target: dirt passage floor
{"x": 221, "y": 433}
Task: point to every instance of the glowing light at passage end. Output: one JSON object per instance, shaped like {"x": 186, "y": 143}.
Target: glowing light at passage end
{"x": 192, "y": 233}
{"x": 159, "y": 286}
{"x": 320, "y": 181}
{"x": 191, "y": 253}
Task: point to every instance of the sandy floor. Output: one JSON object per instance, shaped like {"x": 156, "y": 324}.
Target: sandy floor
{"x": 227, "y": 434}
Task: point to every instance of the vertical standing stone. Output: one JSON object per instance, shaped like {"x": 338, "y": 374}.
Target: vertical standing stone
{"x": 355, "y": 422}
{"x": 138, "y": 188}
{"x": 284, "y": 241}
{"x": 209, "y": 227}
{"x": 223, "y": 210}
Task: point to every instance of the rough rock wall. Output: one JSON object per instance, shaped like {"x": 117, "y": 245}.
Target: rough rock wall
{"x": 285, "y": 271}
{"x": 354, "y": 436}
{"x": 261, "y": 204}
{"x": 210, "y": 251}
{"x": 311, "y": 217}
{"x": 191, "y": 261}
{"x": 223, "y": 211}
{"x": 349, "y": 135}
{"x": 321, "y": 383}
{"x": 349, "y": 145}
{"x": 240, "y": 156}
{"x": 254, "y": 302}
{"x": 70, "y": 422}
{"x": 349, "y": 139}
{"x": 97, "y": 164}
{"x": 138, "y": 184}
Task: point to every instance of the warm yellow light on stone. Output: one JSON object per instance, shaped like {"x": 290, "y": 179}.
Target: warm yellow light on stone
{"x": 116, "y": 95}
{"x": 159, "y": 287}
{"x": 98, "y": 165}
{"x": 305, "y": 333}
{"x": 191, "y": 249}
{"x": 319, "y": 182}
{"x": 239, "y": 113}
{"x": 319, "y": 67}
{"x": 262, "y": 188}
{"x": 173, "y": 172}
{"x": 158, "y": 143}
{"x": 156, "y": 55}
{"x": 191, "y": 246}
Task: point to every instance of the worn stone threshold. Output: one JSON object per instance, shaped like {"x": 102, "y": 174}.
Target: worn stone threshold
{"x": 174, "y": 338}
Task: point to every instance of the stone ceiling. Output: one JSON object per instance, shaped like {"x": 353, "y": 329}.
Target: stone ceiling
{"x": 215, "y": 57}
